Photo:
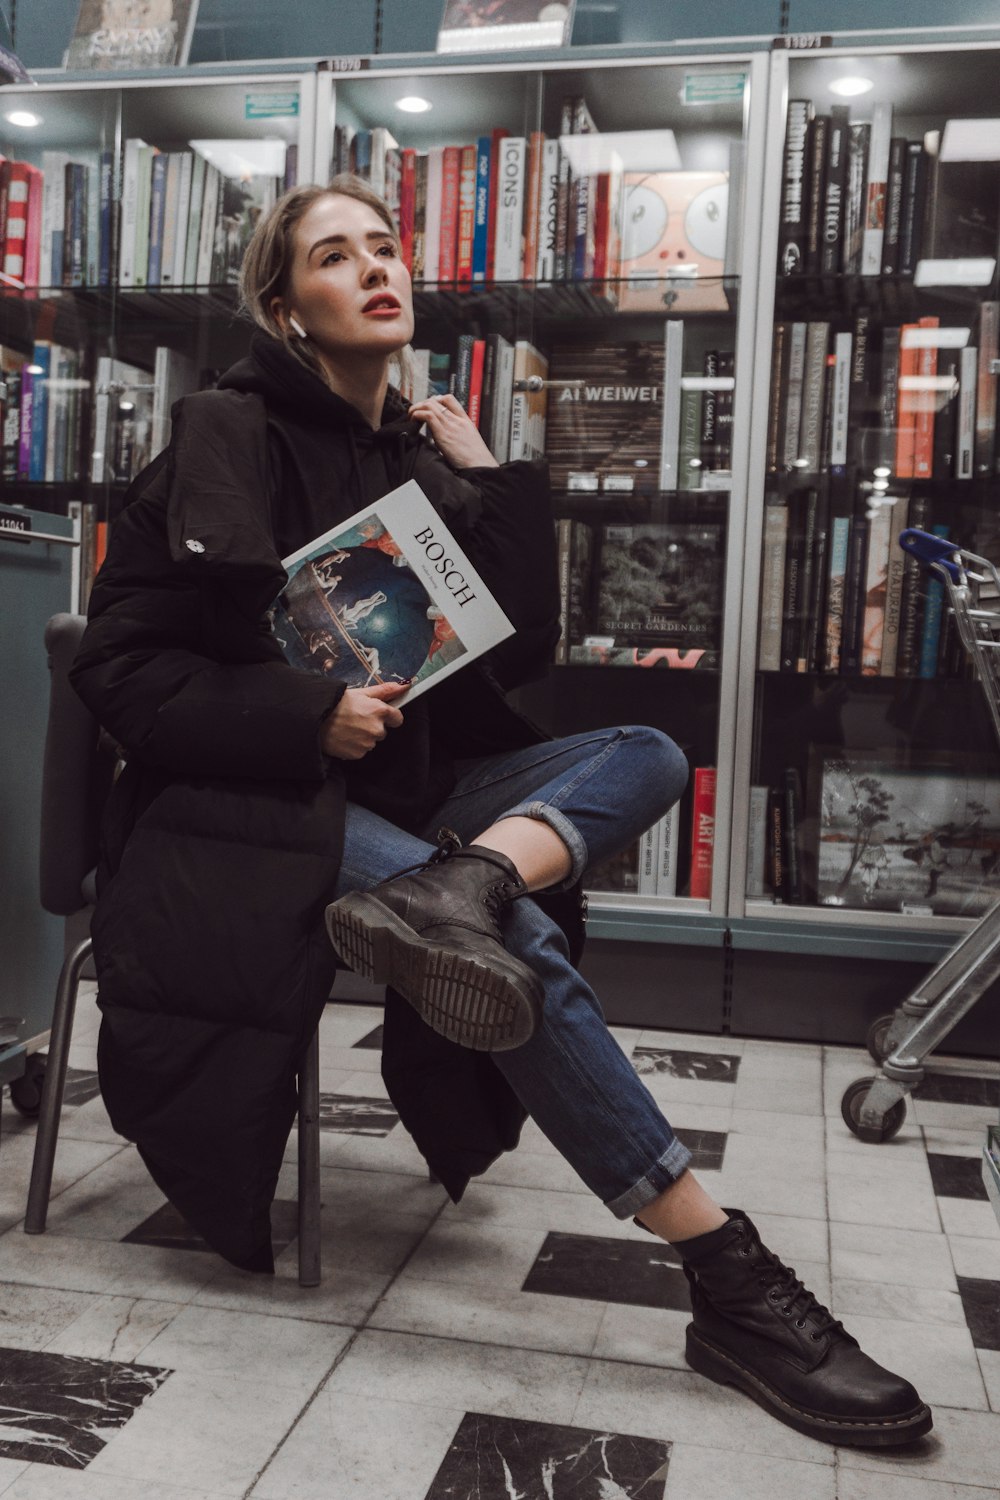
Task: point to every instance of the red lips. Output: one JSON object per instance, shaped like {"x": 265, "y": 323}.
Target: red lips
{"x": 384, "y": 302}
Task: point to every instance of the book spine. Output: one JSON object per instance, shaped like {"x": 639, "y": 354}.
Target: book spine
{"x": 476, "y": 369}
{"x": 772, "y": 583}
{"x": 757, "y": 842}
{"x": 407, "y": 205}
{"x": 945, "y": 414}
{"x": 892, "y": 238}
{"x": 876, "y": 581}
{"x": 432, "y": 215}
{"x": 171, "y": 206}
{"x": 532, "y": 204}
{"x": 509, "y": 248}
{"x": 185, "y": 169}
{"x": 909, "y": 358}
{"x": 805, "y": 645}
{"x": 776, "y": 405}
{"x": 418, "y": 257}
{"x": 834, "y": 190}
{"x": 794, "y": 385}
{"x": 481, "y": 219}
{"x": 190, "y": 272}
{"x": 792, "y": 603}
{"x": 893, "y": 589}
{"x": 564, "y": 563}
{"x": 157, "y": 218}
{"x": 209, "y": 215}
{"x": 709, "y": 408}
{"x": 11, "y": 423}
{"x": 673, "y": 365}
{"x": 25, "y": 423}
{"x": 466, "y": 213}
{"x": 873, "y": 232}
{"x": 649, "y": 860}
{"x": 548, "y": 214}
{"x": 854, "y": 598}
{"x": 41, "y": 358}
{"x": 54, "y": 164}
{"x": 16, "y": 223}
{"x": 147, "y": 156}
{"x": 813, "y": 393}
{"x": 448, "y": 247}
{"x": 75, "y": 249}
{"x": 794, "y": 188}
{"x": 840, "y": 399}
{"x": 910, "y": 607}
{"x": 565, "y": 183}
{"x": 888, "y": 400}
{"x": 984, "y": 449}
{"x": 703, "y": 832}
{"x": 968, "y": 376}
{"x": 792, "y": 809}
{"x": 689, "y": 459}
{"x": 836, "y": 578}
{"x": 776, "y": 841}
{"x": 816, "y": 149}
{"x": 496, "y": 140}
{"x": 463, "y": 369}
{"x": 854, "y": 209}
{"x": 930, "y": 634}
{"x": 914, "y": 205}
{"x": 668, "y": 834}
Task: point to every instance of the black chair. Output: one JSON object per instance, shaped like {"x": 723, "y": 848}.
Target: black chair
{"x": 77, "y": 774}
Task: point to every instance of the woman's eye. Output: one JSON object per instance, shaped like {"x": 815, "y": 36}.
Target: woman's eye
{"x": 387, "y": 249}
{"x": 332, "y": 257}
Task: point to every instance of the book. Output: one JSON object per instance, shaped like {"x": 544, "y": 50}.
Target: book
{"x": 548, "y": 214}
{"x": 836, "y": 583}
{"x": 875, "y": 587}
{"x": 968, "y": 381}
{"x": 386, "y": 596}
{"x": 575, "y": 552}
{"x": 930, "y": 630}
{"x": 873, "y": 226}
{"x": 984, "y": 446}
{"x": 858, "y": 144}
{"x": 667, "y": 835}
{"x": 894, "y": 588}
{"x": 649, "y": 861}
{"x": 911, "y": 600}
{"x": 794, "y": 381}
{"x": 834, "y": 230}
{"x": 757, "y": 842}
{"x": 174, "y": 375}
{"x": 792, "y": 225}
{"x": 670, "y": 438}
{"x": 816, "y": 150}
{"x": 137, "y": 37}
{"x": 791, "y": 888}
{"x": 703, "y": 832}
{"x": 448, "y": 234}
{"x": 532, "y": 204}
{"x": 893, "y": 227}
{"x": 466, "y": 213}
{"x": 660, "y": 584}
{"x": 481, "y": 212}
{"x": 673, "y": 241}
{"x": 605, "y": 415}
{"x": 529, "y": 408}
{"x": 509, "y": 237}
{"x": 772, "y": 591}
{"x": 914, "y": 206}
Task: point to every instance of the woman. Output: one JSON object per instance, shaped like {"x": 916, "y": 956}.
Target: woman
{"x": 254, "y": 796}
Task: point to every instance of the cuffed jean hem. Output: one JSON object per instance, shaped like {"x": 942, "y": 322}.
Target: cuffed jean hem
{"x": 544, "y": 812}
{"x": 672, "y": 1164}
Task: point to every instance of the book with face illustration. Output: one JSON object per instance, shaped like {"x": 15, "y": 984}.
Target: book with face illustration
{"x": 386, "y": 596}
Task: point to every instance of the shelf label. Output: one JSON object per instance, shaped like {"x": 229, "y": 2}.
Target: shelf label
{"x": 271, "y": 105}
{"x": 344, "y": 64}
{"x": 714, "y": 88}
{"x": 14, "y": 521}
{"x": 802, "y": 41}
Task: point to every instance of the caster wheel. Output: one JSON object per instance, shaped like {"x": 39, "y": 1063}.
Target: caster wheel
{"x": 877, "y": 1039}
{"x": 26, "y": 1091}
{"x": 850, "y": 1109}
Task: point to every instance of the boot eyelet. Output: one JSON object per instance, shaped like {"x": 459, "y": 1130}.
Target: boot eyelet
{"x": 800, "y": 1322}
{"x": 744, "y": 1250}
{"x": 816, "y": 1337}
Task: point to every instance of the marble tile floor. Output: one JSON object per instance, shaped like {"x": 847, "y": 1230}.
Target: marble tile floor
{"x": 519, "y": 1344}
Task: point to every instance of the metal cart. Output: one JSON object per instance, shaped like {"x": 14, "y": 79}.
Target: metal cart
{"x": 874, "y": 1108}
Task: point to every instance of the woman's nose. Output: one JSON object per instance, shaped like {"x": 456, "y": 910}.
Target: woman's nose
{"x": 373, "y": 271}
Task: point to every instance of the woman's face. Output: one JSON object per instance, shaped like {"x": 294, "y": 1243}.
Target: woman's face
{"x": 349, "y": 288}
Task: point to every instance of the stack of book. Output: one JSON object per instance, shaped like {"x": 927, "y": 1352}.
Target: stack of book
{"x": 43, "y": 414}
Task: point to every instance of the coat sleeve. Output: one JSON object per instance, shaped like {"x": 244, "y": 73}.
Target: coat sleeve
{"x": 176, "y": 664}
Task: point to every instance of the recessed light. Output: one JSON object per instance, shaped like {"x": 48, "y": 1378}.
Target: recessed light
{"x": 23, "y": 117}
{"x": 851, "y": 85}
{"x": 412, "y": 104}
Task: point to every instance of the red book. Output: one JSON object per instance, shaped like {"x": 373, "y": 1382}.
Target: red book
{"x": 33, "y": 239}
{"x": 532, "y": 196}
{"x": 476, "y": 379}
{"x": 407, "y": 205}
{"x": 448, "y": 269}
{"x": 491, "y": 219}
{"x": 602, "y": 225}
{"x": 703, "y": 832}
{"x": 15, "y": 227}
{"x": 906, "y": 414}
{"x": 923, "y": 416}
{"x": 466, "y": 211}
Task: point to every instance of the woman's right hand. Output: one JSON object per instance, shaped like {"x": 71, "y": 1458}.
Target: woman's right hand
{"x": 362, "y": 718}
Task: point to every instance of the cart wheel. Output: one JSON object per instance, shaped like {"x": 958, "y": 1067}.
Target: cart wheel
{"x": 26, "y": 1091}
{"x": 876, "y": 1040}
{"x": 850, "y": 1109}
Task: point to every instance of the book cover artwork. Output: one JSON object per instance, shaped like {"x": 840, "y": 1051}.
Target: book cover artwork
{"x": 660, "y": 585}
{"x": 481, "y": 25}
{"x": 386, "y": 596}
{"x": 131, "y": 34}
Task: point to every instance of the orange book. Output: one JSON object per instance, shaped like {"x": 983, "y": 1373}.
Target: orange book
{"x": 925, "y": 402}
{"x": 466, "y": 211}
{"x": 532, "y": 199}
{"x": 703, "y": 832}
{"x": 905, "y": 408}
{"x": 476, "y": 380}
{"x": 448, "y": 265}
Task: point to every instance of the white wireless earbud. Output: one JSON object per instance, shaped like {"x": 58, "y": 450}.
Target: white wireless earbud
{"x": 297, "y": 328}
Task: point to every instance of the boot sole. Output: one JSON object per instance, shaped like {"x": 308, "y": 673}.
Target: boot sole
{"x": 486, "y": 1008}
{"x": 719, "y": 1365}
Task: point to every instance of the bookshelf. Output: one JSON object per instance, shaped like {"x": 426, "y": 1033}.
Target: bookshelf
{"x": 867, "y": 775}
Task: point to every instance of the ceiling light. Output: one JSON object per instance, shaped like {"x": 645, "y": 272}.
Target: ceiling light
{"x": 412, "y": 104}
{"x": 851, "y": 85}
{"x": 23, "y": 117}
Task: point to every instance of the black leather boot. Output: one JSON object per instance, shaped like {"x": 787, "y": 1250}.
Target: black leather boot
{"x": 757, "y": 1327}
{"x": 435, "y": 937}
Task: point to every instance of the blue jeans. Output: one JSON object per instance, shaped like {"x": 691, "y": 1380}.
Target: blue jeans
{"x": 599, "y": 791}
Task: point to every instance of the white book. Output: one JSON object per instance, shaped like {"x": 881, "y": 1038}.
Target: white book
{"x": 669, "y": 828}
{"x": 508, "y": 240}
{"x": 53, "y": 217}
{"x": 190, "y": 272}
{"x": 841, "y": 391}
{"x": 876, "y": 188}
{"x": 772, "y": 586}
{"x": 102, "y": 411}
{"x": 757, "y": 841}
{"x": 968, "y": 379}
{"x": 92, "y": 224}
{"x": 144, "y": 186}
{"x": 432, "y": 239}
{"x": 548, "y": 212}
{"x": 793, "y": 393}
{"x": 876, "y": 577}
{"x": 894, "y": 589}
{"x": 349, "y": 609}
{"x": 176, "y": 269}
{"x": 503, "y": 395}
{"x": 986, "y": 395}
{"x": 174, "y": 375}
{"x": 383, "y": 141}
{"x": 670, "y": 432}
{"x": 172, "y": 225}
{"x": 649, "y": 860}
{"x": 209, "y": 214}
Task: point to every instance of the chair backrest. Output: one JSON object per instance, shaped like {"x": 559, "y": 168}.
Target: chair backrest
{"x": 76, "y": 778}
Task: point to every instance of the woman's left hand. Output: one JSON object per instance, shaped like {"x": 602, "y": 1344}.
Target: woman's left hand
{"x": 455, "y": 433}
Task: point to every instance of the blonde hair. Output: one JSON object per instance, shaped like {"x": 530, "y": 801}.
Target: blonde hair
{"x": 267, "y": 264}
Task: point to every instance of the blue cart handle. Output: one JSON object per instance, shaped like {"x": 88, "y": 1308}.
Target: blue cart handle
{"x": 932, "y": 549}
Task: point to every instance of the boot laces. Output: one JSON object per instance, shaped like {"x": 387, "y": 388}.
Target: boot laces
{"x": 791, "y": 1297}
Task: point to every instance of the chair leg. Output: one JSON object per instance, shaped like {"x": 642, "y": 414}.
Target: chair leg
{"x": 310, "y": 1272}
{"x": 53, "y": 1088}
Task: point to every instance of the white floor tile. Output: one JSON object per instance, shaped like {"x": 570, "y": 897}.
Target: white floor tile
{"x": 967, "y": 1216}
{"x": 989, "y": 1364}
{"x": 31, "y": 1316}
{"x": 74, "y": 1160}
{"x": 82, "y": 1265}
{"x": 889, "y": 1192}
{"x": 855, "y": 1484}
{"x": 895, "y": 1299}
{"x": 215, "y": 1341}
{"x": 494, "y": 1316}
{"x": 939, "y": 1361}
{"x": 118, "y": 1328}
{"x": 697, "y": 1473}
{"x": 892, "y": 1257}
{"x": 109, "y": 1202}
{"x": 961, "y": 1450}
{"x": 10, "y": 1469}
{"x": 976, "y": 1257}
{"x": 643, "y": 1336}
{"x": 43, "y": 1482}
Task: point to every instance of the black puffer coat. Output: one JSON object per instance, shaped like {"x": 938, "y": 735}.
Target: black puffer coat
{"x": 224, "y": 833}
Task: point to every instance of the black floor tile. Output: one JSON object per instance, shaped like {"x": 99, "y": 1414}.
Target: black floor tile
{"x": 956, "y": 1088}
{"x": 638, "y": 1274}
{"x": 707, "y": 1147}
{"x": 372, "y": 1040}
{"x": 63, "y": 1409}
{"x": 168, "y": 1230}
{"x": 354, "y": 1116}
{"x": 499, "y": 1458}
{"x": 957, "y": 1176}
{"x": 981, "y": 1301}
{"x": 710, "y": 1067}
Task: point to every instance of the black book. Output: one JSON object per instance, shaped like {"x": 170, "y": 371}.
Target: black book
{"x": 834, "y": 190}
{"x": 946, "y": 415}
{"x": 777, "y": 415}
{"x": 863, "y": 397}
{"x": 724, "y": 414}
{"x": 660, "y": 584}
{"x": 816, "y": 149}
{"x": 792, "y": 608}
{"x": 11, "y": 422}
{"x": 776, "y": 841}
{"x": 710, "y": 411}
{"x": 892, "y": 239}
{"x": 792, "y": 809}
{"x": 794, "y": 187}
{"x": 816, "y": 598}
{"x": 914, "y": 205}
{"x": 807, "y": 582}
{"x": 854, "y": 597}
{"x": 911, "y": 601}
